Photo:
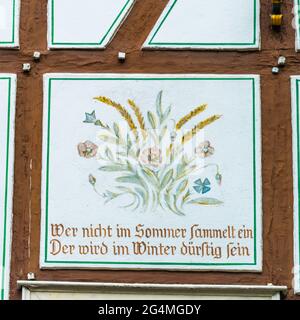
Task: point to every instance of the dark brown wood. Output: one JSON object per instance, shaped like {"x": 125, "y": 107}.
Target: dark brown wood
{"x": 276, "y": 133}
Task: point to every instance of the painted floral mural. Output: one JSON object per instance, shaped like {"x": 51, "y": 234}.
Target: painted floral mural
{"x": 148, "y": 163}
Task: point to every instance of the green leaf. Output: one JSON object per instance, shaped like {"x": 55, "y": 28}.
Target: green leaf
{"x": 152, "y": 120}
{"x": 99, "y": 123}
{"x": 135, "y": 194}
{"x": 166, "y": 114}
{"x": 182, "y": 186}
{"x": 122, "y": 154}
{"x": 175, "y": 206}
{"x": 129, "y": 166}
{"x": 131, "y": 204}
{"x": 162, "y": 133}
{"x": 159, "y": 105}
{"x": 111, "y": 196}
{"x": 143, "y": 196}
{"x": 184, "y": 160}
{"x": 166, "y": 179}
{"x": 130, "y": 179}
{"x": 124, "y": 189}
{"x": 109, "y": 154}
{"x": 128, "y": 143}
{"x": 167, "y": 201}
{"x": 153, "y": 178}
{"x": 108, "y": 139}
{"x": 113, "y": 168}
{"x": 186, "y": 172}
{"x": 179, "y": 169}
{"x": 116, "y": 130}
{"x": 186, "y": 196}
{"x": 206, "y": 201}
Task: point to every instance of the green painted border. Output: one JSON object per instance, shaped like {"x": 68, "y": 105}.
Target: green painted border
{"x": 3, "y": 264}
{"x": 298, "y": 161}
{"x": 81, "y": 43}
{"x": 13, "y": 25}
{"x": 151, "y": 43}
{"x": 148, "y": 263}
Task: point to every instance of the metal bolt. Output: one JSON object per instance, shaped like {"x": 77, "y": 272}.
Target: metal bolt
{"x": 36, "y": 56}
{"x": 26, "y": 67}
{"x": 275, "y": 70}
{"x": 30, "y": 276}
{"x": 281, "y": 61}
{"x": 121, "y": 56}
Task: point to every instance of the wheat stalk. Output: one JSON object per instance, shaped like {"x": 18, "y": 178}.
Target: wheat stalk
{"x": 139, "y": 116}
{"x": 190, "y": 134}
{"x": 189, "y": 116}
{"x": 124, "y": 113}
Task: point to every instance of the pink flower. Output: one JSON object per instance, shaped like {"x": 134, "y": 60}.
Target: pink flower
{"x": 204, "y": 150}
{"x": 87, "y": 149}
{"x": 151, "y": 156}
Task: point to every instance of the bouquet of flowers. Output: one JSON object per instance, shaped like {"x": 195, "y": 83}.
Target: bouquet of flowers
{"x": 152, "y": 176}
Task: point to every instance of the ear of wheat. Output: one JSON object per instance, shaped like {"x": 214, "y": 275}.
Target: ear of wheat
{"x": 139, "y": 116}
{"x": 190, "y": 134}
{"x": 190, "y": 115}
{"x": 123, "y": 112}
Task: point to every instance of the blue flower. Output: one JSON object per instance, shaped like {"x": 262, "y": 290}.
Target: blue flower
{"x": 202, "y": 187}
{"x": 90, "y": 117}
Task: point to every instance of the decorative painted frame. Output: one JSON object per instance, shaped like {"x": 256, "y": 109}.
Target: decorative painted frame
{"x": 105, "y": 38}
{"x": 6, "y": 186}
{"x": 13, "y": 42}
{"x": 255, "y": 266}
{"x": 295, "y": 90}
{"x": 253, "y": 45}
